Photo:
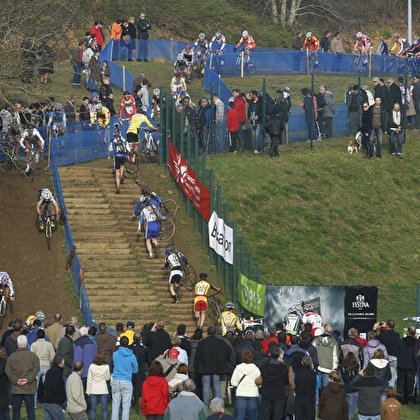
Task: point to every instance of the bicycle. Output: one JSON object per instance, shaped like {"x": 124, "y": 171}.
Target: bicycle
{"x": 3, "y": 307}
{"x": 315, "y": 60}
{"x": 149, "y": 150}
{"x": 168, "y": 208}
{"x": 366, "y": 61}
{"x": 198, "y": 65}
{"x": 189, "y": 277}
{"x": 249, "y": 64}
{"x": 394, "y": 63}
{"x": 216, "y": 307}
{"x": 48, "y": 230}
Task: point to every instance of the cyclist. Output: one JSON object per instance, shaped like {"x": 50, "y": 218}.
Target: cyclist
{"x": 178, "y": 84}
{"x": 155, "y": 112}
{"x": 400, "y": 46}
{"x": 6, "y": 285}
{"x": 181, "y": 64}
{"x": 200, "y": 299}
{"x": 229, "y": 319}
{"x": 314, "y": 319}
{"x": 201, "y": 49}
{"x": 149, "y": 222}
{"x": 312, "y": 44}
{"x": 128, "y": 105}
{"x": 364, "y": 44}
{"x": 57, "y": 120}
{"x": 134, "y": 126}
{"x": 100, "y": 115}
{"x": 414, "y": 50}
{"x": 31, "y": 136}
{"x": 173, "y": 259}
{"x": 218, "y": 43}
{"x": 293, "y": 320}
{"x": 147, "y": 197}
{"x": 121, "y": 148}
{"x": 248, "y": 41}
{"x": 46, "y": 199}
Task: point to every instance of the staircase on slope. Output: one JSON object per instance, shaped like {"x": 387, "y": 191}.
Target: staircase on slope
{"x": 117, "y": 282}
{"x": 123, "y": 205}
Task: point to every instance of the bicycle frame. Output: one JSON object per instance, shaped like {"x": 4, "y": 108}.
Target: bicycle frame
{"x": 47, "y": 226}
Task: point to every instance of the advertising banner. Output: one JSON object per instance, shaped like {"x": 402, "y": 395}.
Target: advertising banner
{"x": 252, "y": 295}
{"x": 185, "y": 177}
{"x": 341, "y": 306}
{"x": 221, "y": 238}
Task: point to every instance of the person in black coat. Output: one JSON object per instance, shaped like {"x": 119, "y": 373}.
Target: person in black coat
{"x": 157, "y": 342}
{"x": 143, "y": 28}
{"x": 4, "y": 387}
{"x": 212, "y": 360}
{"x": 55, "y": 392}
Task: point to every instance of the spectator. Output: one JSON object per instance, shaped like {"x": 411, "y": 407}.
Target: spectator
{"x": 180, "y": 376}
{"x": 94, "y": 70}
{"x": 232, "y": 125}
{"x": 4, "y": 387}
{"x": 132, "y": 32}
{"x": 333, "y": 403}
{"x": 203, "y": 125}
{"x": 320, "y": 104}
{"x": 195, "y": 339}
{"x": 407, "y": 366}
{"x": 185, "y": 341}
{"x": 379, "y": 126}
{"x": 97, "y": 32}
{"x": 390, "y": 339}
{"x": 129, "y": 332}
{"x": 282, "y": 106}
{"x": 125, "y": 366}
{"x": 140, "y": 352}
{"x": 371, "y": 346}
{"x": 76, "y": 403}
{"x": 105, "y": 342}
{"x": 275, "y": 377}
{"x": 10, "y": 344}
{"x": 329, "y": 112}
{"x": 169, "y": 361}
{"x": 143, "y": 28}
{"x": 158, "y": 341}
{"x": 337, "y": 48}
{"x": 349, "y": 369}
{"x": 22, "y": 367}
{"x": 97, "y": 385}
{"x": 350, "y": 344}
{"x": 187, "y": 405}
{"x": 46, "y": 58}
{"x": 217, "y": 407}
{"x": 297, "y": 41}
{"x": 391, "y": 408}
{"x": 395, "y": 92}
{"x": 70, "y": 111}
{"x": 54, "y": 391}
{"x": 310, "y": 113}
{"x": 274, "y": 128}
{"x": 240, "y": 107}
{"x": 324, "y": 43}
{"x": 396, "y": 123}
{"x": 218, "y": 117}
{"x": 382, "y": 370}
{"x": 77, "y": 63}
{"x": 255, "y": 115}
{"x": 65, "y": 349}
{"x": 155, "y": 393}
{"x": 383, "y": 48}
{"x": 415, "y": 81}
{"x": 246, "y": 378}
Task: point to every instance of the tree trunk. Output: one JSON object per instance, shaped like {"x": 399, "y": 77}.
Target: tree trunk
{"x": 294, "y": 7}
{"x": 283, "y": 9}
{"x": 274, "y": 11}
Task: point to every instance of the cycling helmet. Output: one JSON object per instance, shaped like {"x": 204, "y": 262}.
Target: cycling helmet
{"x": 308, "y": 308}
{"x": 4, "y": 277}
{"x": 46, "y": 194}
{"x": 291, "y": 311}
{"x": 202, "y": 35}
{"x": 178, "y": 74}
{"x": 230, "y": 306}
{"x": 156, "y": 92}
{"x": 40, "y": 315}
{"x": 167, "y": 251}
{"x": 30, "y": 320}
{"x": 218, "y": 34}
{"x": 179, "y": 57}
{"x": 359, "y": 35}
{"x": 396, "y": 35}
{"x": 30, "y": 127}
{"x": 308, "y": 34}
{"x": 126, "y": 92}
{"x": 245, "y": 34}
{"x": 98, "y": 106}
{"x": 188, "y": 47}
{"x": 58, "y": 106}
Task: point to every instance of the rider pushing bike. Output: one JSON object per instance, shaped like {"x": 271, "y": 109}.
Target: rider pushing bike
{"x": 46, "y": 199}
{"x": 173, "y": 259}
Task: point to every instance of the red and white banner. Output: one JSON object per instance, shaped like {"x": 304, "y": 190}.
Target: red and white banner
{"x": 196, "y": 192}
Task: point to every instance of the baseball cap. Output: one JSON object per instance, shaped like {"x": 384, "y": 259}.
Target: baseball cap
{"x": 173, "y": 353}
{"x": 375, "y": 79}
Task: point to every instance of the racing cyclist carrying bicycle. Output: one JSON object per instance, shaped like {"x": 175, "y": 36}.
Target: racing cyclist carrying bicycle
{"x": 31, "y": 136}
{"x": 57, "y": 120}
{"x": 364, "y": 44}
{"x": 200, "y": 299}
{"x": 147, "y": 197}
{"x": 249, "y": 43}
{"x": 173, "y": 259}
{"x": 311, "y": 43}
{"x": 134, "y": 126}
{"x": 121, "y": 148}
{"x": 149, "y": 223}
{"x": 6, "y": 286}
{"x": 46, "y": 199}
{"x": 229, "y": 319}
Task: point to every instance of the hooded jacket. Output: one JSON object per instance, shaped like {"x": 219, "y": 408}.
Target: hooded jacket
{"x": 125, "y": 364}
{"x": 383, "y": 371}
{"x": 155, "y": 395}
{"x": 327, "y": 351}
{"x": 405, "y": 353}
{"x": 243, "y": 378}
{"x": 333, "y": 403}
{"x": 370, "y": 348}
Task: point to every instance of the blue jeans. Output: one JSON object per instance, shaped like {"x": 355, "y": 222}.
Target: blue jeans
{"x": 17, "y": 400}
{"x": 352, "y": 403}
{"x": 311, "y": 127}
{"x": 395, "y": 142}
{"x": 257, "y": 134}
{"x": 53, "y": 412}
{"x": 362, "y": 417}
{"x": 206, "y": 380}
{"x": 246, "y": 408}
{"x": 122, "y": 391}
{"x": 40, "y": 377}
{"x": 95, "y": 400}
{"x": 376, "y": 132}
{"x": 77, "y": 76}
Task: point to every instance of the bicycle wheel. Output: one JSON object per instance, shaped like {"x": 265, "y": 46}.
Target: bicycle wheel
{"x": 190, "y": 277}
{"x": 48, "y": 232}
{"x": 251, "y": 66}
{"x": 153, "y": 152}
{"x": 167, "y": 231}
{"x": 143, "y": 154}
{"x": 355, "y": 64}
{"x": 374, "y": 62}
{"x": 169, "y": 209}
{"x": 216, "y": 308}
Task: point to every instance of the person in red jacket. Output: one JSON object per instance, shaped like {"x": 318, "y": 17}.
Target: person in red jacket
{"x": 240, "y": 107}
{"x": 155, "y": 393}
{"x": 97, "y": 30}
{"x": 232, "y": 123}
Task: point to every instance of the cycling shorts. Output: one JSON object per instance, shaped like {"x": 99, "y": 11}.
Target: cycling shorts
{"x": 200, "y": 303}
{"x": 175, "y": 276}
{"x": 119, "y": 161}
{"x": 152, "y": 230}
{"x": 132, "y": 138}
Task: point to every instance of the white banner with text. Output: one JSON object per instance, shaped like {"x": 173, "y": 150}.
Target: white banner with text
{"x": 221, "y": 238}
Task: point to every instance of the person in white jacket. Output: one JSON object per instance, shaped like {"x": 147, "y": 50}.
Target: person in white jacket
{"x": 246, "y": 378}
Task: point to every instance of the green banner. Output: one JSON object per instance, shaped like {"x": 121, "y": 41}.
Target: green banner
{"x": 252, "y": 295}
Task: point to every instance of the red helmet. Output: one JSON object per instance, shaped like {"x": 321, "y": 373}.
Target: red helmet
{"x": 188, "y": 47}
{"x": 178, "y": 74}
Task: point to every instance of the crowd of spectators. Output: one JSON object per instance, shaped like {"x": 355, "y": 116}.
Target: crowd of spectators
{"x": 276, "y": 375}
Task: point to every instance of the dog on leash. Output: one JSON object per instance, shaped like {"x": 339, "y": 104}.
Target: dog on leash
{"x": 352, "y": 147}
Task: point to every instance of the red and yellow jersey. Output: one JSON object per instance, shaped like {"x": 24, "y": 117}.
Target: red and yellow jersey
{"x": 248, "y": 41}
{"x": 201, "y": 289}
{"x": 312, "y": 43}
{"x": 100, "y": 116}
